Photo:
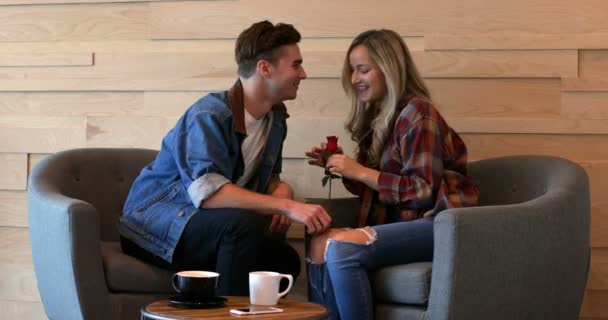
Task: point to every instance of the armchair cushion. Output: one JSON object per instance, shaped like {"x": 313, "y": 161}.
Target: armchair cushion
{"x": 125, "y": 273}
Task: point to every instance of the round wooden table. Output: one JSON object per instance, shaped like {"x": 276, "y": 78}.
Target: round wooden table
{"x": 292, "y": 310}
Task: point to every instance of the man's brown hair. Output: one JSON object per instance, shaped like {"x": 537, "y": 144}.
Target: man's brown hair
{"x": 260, "y": 42}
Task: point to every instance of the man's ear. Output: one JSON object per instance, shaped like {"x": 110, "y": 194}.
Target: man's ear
{"x": 264, "y": 68}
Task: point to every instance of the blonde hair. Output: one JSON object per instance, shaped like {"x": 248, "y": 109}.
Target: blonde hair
{"x": 370, "y": 124}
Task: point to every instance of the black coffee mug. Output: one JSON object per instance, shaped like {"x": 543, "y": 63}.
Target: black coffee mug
{"x": 196, "y": 285}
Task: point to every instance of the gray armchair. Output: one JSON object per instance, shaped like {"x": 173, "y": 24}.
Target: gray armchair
{"x": 75, "y": 199}
{"x": 522, "y": 254}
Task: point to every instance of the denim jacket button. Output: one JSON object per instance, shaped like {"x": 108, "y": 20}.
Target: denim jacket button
{"x": 180, "y": 214}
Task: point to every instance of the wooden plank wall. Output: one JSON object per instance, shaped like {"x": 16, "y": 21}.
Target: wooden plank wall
{"x": 514, "y": 77}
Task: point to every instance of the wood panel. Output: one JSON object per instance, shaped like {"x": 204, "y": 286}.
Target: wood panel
{"x": 504, "y": 63}
{"x": 319, "y": 97}
{"x": 296, "y": 231}
{"x": 74, "y": 104}
{"x": 311, "y": 131}
{"x": 585, "y": 105}
{"x": 518, "y": 17}
{"x": 30, "y": 59}
{"x": 510, "y": 41}
{"x": 593, "y": 63}
{"x": 150, "y": 71}
{"x": 22, "y": 310}
{"x": 13, "y": 173}
{"x": 34, "y": 159}
{"x": 599, "y": 222}
{"x": 487, "y": 135}
{"x": 598, "y": 270}
{"x": 15, "y": 248}
{"x": 21, "y": 285}
{"x": 580, "y": 147}
{"x": 529, "y": 125}
{"x": 127, "y": 132}
{"x": 474, "y": 97}
{"x": 598, "y": 179}
{"x": 317, "y": 18}
{"x": 30, "y": 2}
{"x": 116, "y": 83}
{"x": 13, "y": 209}
{"x": 192, "y": 71}
{"x": 70, "y": 23}
{"x": 537, "y": 98}
{"x": 454, "y": 97}
{"x": 16, "y": 261}
{"x": 172, "y": 45}
{"x": 594, "y": 304}
{"x": 584, "y": 85}
{"x": 169, "y": 104}
{"x": 414, "y": 43}
{"x": 127, "y": 72}
{"x": 124, "y": 46}
{"x": 24, "y": 134}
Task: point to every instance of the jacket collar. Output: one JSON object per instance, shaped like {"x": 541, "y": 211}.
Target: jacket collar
{"x": 237, "y": 106}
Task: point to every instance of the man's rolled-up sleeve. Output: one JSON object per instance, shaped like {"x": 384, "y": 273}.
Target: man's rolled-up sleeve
{"x": 201, "y": 153}
{"x": 205, "y": 186}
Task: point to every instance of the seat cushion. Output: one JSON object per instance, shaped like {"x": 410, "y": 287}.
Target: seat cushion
{"x": 125, "y": 273}
{"x": 406, "y": 283}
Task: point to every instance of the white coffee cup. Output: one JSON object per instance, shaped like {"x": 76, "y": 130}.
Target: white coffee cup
{"x": 264, "y": 287}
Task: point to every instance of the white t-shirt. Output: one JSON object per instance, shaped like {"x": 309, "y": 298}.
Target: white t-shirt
{"x": 253, "y": 145}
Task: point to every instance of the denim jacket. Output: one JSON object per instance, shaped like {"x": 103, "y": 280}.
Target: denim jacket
{"x": 198, "y": 156}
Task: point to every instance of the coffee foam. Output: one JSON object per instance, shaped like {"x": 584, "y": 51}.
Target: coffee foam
{"x": 198, "y": 274}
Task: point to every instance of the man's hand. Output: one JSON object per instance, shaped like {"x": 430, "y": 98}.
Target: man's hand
{"x": 279, "y": 189}
{"x": 314, "y": 216}
{"x": 279, "y": 224}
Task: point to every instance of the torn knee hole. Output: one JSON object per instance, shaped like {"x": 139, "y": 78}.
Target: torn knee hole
{"x": 370, "y": 233}
{"x": 364, "y": 236}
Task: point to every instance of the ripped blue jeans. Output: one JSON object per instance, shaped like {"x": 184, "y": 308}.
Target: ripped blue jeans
{"x": 342, "y": 283}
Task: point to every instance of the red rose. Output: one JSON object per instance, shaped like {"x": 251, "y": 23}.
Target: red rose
{"x": 331, "y": 147}
{"x": 332, "y": 144}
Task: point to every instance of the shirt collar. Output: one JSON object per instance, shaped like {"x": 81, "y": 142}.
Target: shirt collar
{"x": 235, "y": 101}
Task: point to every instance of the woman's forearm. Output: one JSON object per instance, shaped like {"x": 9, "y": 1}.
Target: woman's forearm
{"x": 369, "y": 177}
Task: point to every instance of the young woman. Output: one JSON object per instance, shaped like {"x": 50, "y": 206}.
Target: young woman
{"x": 409, "y": 166}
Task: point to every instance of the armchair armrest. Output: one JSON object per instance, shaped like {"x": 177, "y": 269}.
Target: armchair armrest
{"x": 64, "y": 234}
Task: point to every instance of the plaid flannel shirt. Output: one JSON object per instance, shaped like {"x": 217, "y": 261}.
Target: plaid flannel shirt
{"x": 422, "y": 169}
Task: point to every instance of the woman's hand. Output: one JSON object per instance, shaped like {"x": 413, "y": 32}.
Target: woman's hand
{"x": 345, "y": 166}
{"x": 353, "y": 170}
{"x": 316, "y": 155}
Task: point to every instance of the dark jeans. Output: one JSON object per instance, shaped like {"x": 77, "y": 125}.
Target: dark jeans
{"x": 231, "y": 242}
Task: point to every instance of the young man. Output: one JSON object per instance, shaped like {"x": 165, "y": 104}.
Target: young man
{"x": 212, "y": 199}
